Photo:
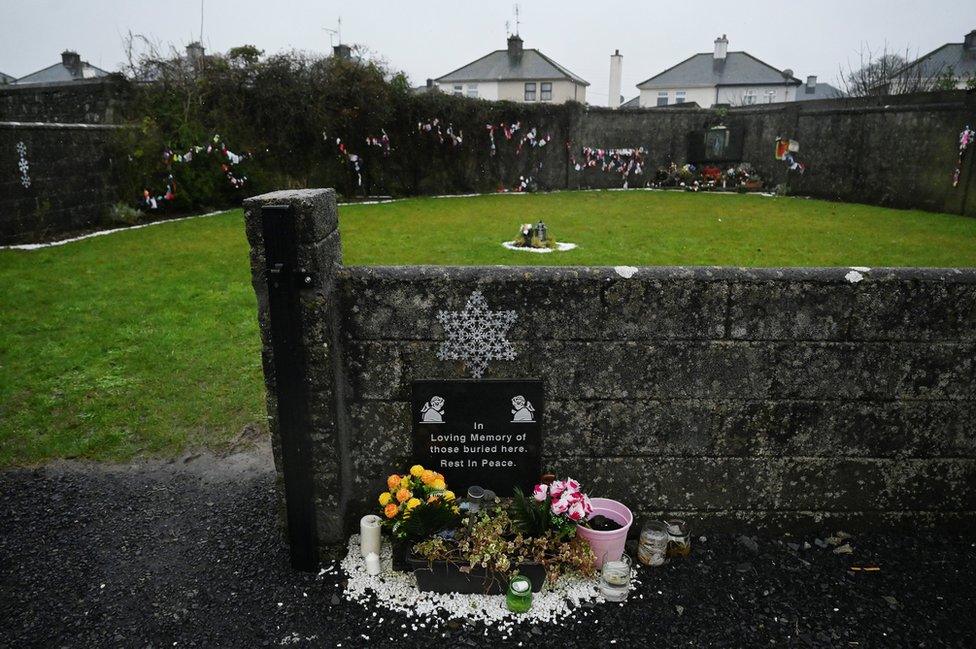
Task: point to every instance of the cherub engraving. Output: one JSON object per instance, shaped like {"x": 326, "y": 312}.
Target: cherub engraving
{"x": 522, "y": 410}
{"x": 433, "y": 411}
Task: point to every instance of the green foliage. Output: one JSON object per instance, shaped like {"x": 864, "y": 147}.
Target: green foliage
{"x": 426, "y": 520}
{"x": 122, "y": 214}
{"x": 289, "y": 109}
{"x": 530, "y": 517}
{"x": 495, "y": 543}
{"x": 946, "y": 79}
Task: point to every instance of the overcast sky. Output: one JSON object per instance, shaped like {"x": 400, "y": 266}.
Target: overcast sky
{"x": 429, "y": 39}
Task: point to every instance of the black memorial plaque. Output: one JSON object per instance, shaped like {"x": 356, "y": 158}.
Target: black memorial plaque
{"x": 479, "y": 432}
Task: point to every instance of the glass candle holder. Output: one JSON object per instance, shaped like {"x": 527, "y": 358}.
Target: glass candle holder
{"x": 615, "y": 579}
{"x": 679, "y": 544}
{"x": 519, "y": 595}
{"x": 653, "y": 547}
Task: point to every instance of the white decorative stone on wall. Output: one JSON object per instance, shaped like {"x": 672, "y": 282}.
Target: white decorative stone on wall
{"x": 23, "y": 165}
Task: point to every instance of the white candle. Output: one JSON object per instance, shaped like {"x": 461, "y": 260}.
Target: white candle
{"x": 372, "y": 564}
{"x": 369, "y": 534}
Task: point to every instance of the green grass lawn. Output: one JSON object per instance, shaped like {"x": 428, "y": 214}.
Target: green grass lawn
{"x": 145, "y": 342}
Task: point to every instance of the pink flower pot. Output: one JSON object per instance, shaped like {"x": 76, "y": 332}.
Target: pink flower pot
{"x": 608, "y": 546}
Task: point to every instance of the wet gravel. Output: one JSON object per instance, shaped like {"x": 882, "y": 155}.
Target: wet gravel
{"x": 188, "y": 554}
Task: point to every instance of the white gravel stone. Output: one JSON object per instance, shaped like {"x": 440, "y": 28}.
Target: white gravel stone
{"x": 397, "y": 591}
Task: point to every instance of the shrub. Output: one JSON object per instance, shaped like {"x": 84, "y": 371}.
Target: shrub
{"x": 123, "y": 214}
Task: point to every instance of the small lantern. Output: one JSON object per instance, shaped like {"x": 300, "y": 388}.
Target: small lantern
{"x": 519, "y": 595}
{"x": 541, "y": 231}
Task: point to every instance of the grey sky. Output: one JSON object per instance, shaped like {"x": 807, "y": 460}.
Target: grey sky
{"x": 432, "y": 38}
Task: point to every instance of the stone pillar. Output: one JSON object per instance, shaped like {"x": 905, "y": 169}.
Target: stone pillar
{"x": 295, "y": 253}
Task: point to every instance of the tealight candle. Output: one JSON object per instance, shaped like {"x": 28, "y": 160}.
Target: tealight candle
{"x": 369, "y": 534}
{"x": 372, "y": 564}
{"x": 615, "y": 582}
{"x": 519, "y": 596}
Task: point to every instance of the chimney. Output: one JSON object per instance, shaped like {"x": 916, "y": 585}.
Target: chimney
{"x": 616, "y": 71}
{"x": 194, "y": 53}
{"x": 430, "y": 84}
{"x": 811, "y": 84}
{"x": 721, "y": 48}
{"x": 341, "y": 51}
{"x": 515, "y": 46}
{"x": 969, "y": 42}
{"x": 72, "y": 61}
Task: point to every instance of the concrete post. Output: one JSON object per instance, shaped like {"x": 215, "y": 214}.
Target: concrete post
{"x": 295, "y": 253}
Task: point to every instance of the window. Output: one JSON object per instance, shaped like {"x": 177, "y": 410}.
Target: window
{"x": 530, "y": 91}
{"x": 770, "y": 96}
{"x": 473, "y": 90}
{"x": 749, "y": 97}
{"x": 458, "y": 90}
{"x": 662, "y": 98}
{"x": 545, "y": 91}
{"x": 679, "y": 97}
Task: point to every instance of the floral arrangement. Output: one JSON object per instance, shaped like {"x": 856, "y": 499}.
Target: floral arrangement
{"x": 418, "y": 504}
{"x": 534, "y": 236}
{"x": 494, "y": 542}
{"x": 966, "y": 137}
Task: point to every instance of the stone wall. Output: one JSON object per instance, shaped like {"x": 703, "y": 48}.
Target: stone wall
{"x": 68, "y": 131}
{"x": 71, "y": 171}
{"x": 738, "y": 398}
{"x": 895, "y": 151}
{"x": 95, "y": 101}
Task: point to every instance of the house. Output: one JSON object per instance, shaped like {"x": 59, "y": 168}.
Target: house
{"x": 813, "y": 89}
{"x": 719, "y": 77}
{"x": 515, "y": 74}
{"x": 5, "y": 79}
{"x": 71, "y": 68}
{"x": 955, "y": 60}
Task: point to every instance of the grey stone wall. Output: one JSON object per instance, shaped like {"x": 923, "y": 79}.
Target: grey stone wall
{"x": 95, "y": 101}
{"x": 895, "y": 151}
{"x": 738, "y": 398}
{"x": 735, "y": 397}
{"x": 72, "y": 179}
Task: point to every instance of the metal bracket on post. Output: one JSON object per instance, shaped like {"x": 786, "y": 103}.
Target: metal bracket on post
{"x": 285, "y": 281}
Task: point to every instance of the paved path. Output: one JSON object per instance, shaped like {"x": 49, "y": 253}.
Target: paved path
{"x": 188, "y": 554}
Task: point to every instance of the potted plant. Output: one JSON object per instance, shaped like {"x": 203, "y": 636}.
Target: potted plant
{"x": 602, "y": 522}
{"x": 527, "y": 535}
{"x": 415, "y": 506}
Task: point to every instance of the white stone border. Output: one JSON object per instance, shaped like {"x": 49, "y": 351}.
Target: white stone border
{"x": 560, "y": 247}
{"x": 102, "y": 233}
{"x": 397, "y": 591}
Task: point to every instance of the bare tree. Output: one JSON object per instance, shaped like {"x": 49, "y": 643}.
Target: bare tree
{"x": 886, "y": 72}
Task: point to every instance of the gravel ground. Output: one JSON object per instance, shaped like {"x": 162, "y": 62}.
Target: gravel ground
{"x": 187, "y": 554}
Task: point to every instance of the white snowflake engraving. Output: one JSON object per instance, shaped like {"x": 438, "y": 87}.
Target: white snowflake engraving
{"x": 23, "y": 165}
{"x": 476, "y": 335}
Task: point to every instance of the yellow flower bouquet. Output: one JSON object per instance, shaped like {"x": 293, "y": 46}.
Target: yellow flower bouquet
{"x": 417, "y": 504}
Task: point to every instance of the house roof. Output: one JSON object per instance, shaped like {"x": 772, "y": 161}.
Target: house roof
{"x": 60, "y": 72}
{"x": 631, "y": 103}
{"x": 702, "y": 70}
{"x": 950, "y": 55}
{"x": 532, "y": 65}
{"x": 819, "y": 91}
{"x": 6, "y": 78}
